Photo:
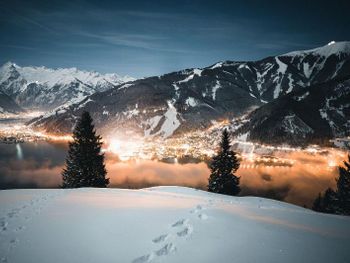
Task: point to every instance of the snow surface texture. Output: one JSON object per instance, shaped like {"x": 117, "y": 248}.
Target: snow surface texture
{"x": 163, "y": 224}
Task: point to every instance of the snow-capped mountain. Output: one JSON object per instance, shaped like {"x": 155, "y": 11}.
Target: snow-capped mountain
{"x": 312, "y": 115}
{"x": 44, "y": 88}
{"x": 193, "y": 98}
{"x": 7, "y": 105}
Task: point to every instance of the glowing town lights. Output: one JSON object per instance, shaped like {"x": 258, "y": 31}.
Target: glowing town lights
{"x": 125, "y": 149}
{"x": 332, "y": 163}
{"x": 199, "y": 145}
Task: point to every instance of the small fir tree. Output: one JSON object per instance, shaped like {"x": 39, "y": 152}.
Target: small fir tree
{"x": 223, "y": 166}
{"x": 85, "y": 162}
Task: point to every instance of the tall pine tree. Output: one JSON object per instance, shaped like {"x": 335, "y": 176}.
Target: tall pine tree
{"x": 223, "y": 166}
{"x": 85, "y": 162}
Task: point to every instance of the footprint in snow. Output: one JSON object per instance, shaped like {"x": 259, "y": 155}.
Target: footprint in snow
{"x": 184, "y": 233}
{"x": 161, "y": 238}
{"x": 203, "y": 216}
{"x": 181, "y": 222}
{"x": 167, "y": 249}
{"x": 13, "y": 213}
{"x": 143, "y": 259}
{"x": 3, "y": 224}
{"x": 197, "y": 209}
{"x": 13, "y": 243}
{"x": 20, "y": 228}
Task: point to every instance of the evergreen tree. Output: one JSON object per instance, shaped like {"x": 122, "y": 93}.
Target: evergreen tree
{"x": 338, "y": 201}
{"x": 343, "y": 189}
{"x": 318, "y": 203}
{"x": 85, "y": 162}
{"x": 223, "y": 166}
{"x": 329, "y": 201}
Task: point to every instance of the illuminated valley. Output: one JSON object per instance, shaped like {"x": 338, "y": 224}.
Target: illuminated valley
{"x": 133, "y": 161}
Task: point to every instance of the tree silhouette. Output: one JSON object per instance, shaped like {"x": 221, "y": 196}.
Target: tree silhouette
{"x": 223, "y": 166}
{"x": 85, "y": 162}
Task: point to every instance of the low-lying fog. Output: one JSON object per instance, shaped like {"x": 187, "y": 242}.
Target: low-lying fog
{"x": 33, "y": 165}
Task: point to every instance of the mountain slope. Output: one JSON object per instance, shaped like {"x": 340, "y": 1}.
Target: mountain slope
{"x": 183, "y": 225}
{"x": 312, "y": 115}
{"x": 46, "y": 89}
{"x": 164, "y": 105}
{"x": 8, "y": 105}
{"x": 193, "y": 98}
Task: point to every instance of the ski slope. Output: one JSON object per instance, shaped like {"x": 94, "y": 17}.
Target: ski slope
{"x": 163, "y": 224}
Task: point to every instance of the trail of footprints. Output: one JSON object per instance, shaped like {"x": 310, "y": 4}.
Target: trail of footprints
{"x": 12, "y": 223}
{"x": 178, "y": 230}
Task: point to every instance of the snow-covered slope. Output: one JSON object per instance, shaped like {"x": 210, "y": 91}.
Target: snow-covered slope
{"x": 191, "y": 99}
{"x": 163, "y": 224}
{"x": 312, "y": 115}
{"x": 44, "y": 88}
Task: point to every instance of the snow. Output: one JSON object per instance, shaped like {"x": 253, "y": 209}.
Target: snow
{"x": 52, "y": 77}
{"x": 215, "y": 88}
{"x": 301, "y": 97}
{"x": 168, "y": 127}
{"x": 163, "y": 224}
{"x": 217, "y": 65}
{"x": 195, "y": 72}
{"x": 125, "y": 86}
{"x": 290, "y": 84}
{"x": 186, "y": 79}
{"x": 244, "y": 65}
{"x": 152, "y": 123}
{"x": 242, "y": 137}
{"x": 294, "y": 125}
{"x": 307, "y": 70}
{"x": 192, "y": 102}
{"x": 332, "y": 48}
{"x": 280, "y": 72}
{"x": 131, "y": 113}
{"x": 171, "y": 122}
{"x": 252, "y": 95}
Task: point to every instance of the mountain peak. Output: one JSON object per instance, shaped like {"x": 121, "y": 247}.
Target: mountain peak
{"x": 332, "y": 48}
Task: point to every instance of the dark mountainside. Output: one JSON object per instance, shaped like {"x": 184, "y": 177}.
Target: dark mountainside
{"x": 191, "y": 99}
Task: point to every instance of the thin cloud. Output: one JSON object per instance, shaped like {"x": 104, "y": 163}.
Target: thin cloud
{"x": 143, "y": 41}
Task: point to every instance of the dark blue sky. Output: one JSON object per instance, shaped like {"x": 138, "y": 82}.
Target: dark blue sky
{"x": 144, "y": 38}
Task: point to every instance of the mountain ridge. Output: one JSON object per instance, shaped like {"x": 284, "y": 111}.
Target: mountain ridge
{"x": 190, "y": 99}
{"x": 45, "y": 88}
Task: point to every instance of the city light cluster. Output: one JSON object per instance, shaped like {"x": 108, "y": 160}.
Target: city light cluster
{"x": 195, "y": 146}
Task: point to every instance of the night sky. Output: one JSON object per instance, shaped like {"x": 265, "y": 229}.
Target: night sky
{"x": 144, "y": 38}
